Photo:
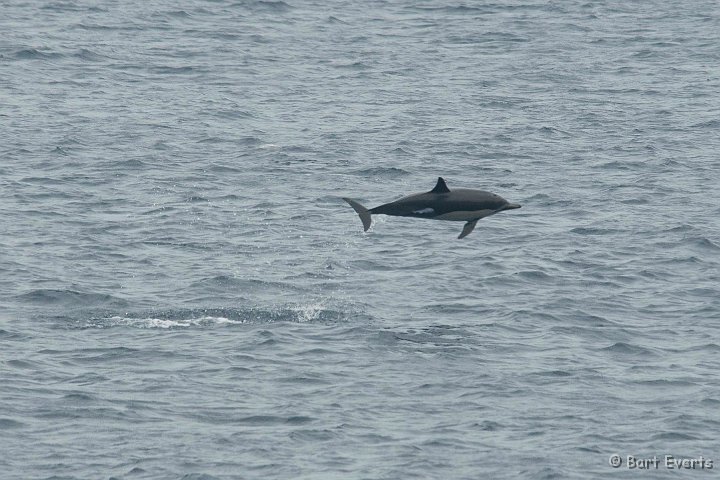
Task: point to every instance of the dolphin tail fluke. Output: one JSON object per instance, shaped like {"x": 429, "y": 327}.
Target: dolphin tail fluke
{"x": 467, "y": 229}
{"x": 362, "y": 211}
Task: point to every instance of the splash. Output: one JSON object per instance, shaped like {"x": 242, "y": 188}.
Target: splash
{"x": 309, "y": 312}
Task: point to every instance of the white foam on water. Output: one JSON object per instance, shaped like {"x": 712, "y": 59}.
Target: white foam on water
{"x": 172, "y": 323}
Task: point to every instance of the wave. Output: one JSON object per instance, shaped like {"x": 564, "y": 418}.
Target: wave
{"x": 457, "y": 9}
{"x": 8, "y": 423}
{"x": 227, "y": 283}
{"x": 34, "y": 54}
{"x": 163, "y": 323}
{"x": 215, "y": 317}
{"x": 332, "y": 19}
{"x": 89, "y": 55}
{"x": 593, "y": 231}
{"x": 263, "y": 5}
{"x": 169, "y": 70}
{"x": 70, "y": 298}
{"x": 71, "y": 7}
{"x": 381, "y": 171}
{"x": 628, "y": 349}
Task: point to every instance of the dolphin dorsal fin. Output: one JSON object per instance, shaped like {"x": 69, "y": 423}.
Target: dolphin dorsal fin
{"x": 440, "y": 187}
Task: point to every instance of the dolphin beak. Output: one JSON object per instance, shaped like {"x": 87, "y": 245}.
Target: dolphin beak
{"x": 512, "y": 206}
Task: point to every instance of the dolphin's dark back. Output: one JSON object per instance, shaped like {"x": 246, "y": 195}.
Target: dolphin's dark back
{"x": 404, "y": 206}
{"x": 428, "y": 205}
{"x": 440, "y": 203}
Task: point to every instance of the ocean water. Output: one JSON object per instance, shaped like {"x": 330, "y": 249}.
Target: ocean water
{"x": 184, "y": 294}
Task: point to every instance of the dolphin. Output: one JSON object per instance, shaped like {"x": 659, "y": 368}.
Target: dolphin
{"x": 440, "y": 203}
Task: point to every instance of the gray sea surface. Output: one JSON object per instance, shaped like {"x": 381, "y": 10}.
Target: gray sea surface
{"x": 184, "y": 294}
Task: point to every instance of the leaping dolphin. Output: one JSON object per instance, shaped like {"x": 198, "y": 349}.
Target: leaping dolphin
{"x": 440, "y": 203}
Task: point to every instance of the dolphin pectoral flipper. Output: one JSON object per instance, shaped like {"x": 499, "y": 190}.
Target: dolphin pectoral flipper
{"x": 467, "y": 229}
{"x": 362, "y": 211}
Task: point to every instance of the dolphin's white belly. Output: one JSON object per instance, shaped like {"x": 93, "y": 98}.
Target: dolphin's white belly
{"x": 465, "y": 215}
